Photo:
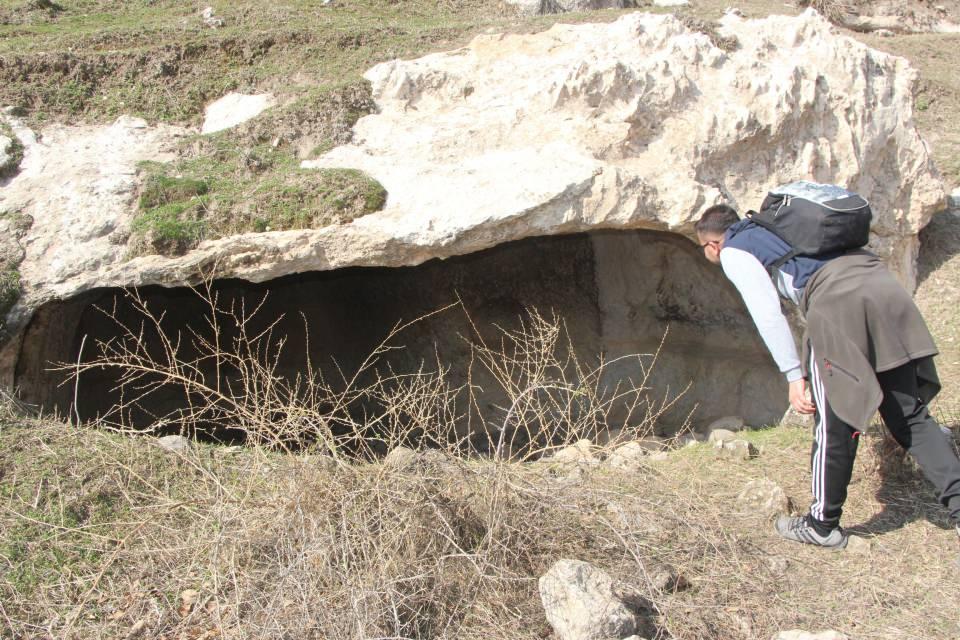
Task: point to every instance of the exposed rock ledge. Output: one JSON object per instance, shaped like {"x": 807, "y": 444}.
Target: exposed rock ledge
{"x": 639, "y": 123}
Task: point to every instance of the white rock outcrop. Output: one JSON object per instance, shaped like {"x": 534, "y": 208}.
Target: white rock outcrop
{"x": 639, "y": 123}
{"x": 78, "y": 184}
{"x": 234, "y": 109}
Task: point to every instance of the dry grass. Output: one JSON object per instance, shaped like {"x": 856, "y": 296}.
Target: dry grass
{"x": 938, "y": 296}
{"x": 307, "y": 533}
{"x": 106, "y": 533}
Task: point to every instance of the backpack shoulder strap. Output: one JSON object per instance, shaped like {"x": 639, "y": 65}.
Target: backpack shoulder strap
{"x": 782, "y": 260}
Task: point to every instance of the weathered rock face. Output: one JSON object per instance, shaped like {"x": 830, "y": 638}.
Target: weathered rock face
{"x": 637, "y": 124}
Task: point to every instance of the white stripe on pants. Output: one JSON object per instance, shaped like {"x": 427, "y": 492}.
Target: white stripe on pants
{"x": 818, "y": 466}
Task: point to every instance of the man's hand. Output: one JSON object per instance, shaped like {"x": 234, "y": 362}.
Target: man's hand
{"x": 799, "y": 399}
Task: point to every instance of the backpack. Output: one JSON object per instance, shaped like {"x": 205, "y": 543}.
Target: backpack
{"x": 814, "y": 219}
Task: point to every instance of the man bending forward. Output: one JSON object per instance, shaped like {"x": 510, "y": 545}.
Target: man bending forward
{"x": 866, "y": 348}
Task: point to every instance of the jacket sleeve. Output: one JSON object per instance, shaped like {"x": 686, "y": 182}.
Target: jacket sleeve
{"x": 755, "y": 287}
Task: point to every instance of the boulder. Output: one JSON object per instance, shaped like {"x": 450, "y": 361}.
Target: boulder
{"x": 582, "y": 602}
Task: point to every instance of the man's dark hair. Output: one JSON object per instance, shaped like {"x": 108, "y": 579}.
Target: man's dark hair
{"x": 716, "y": 219}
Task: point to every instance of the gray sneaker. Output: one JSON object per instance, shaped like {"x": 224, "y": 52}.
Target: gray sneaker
{"x": 799, "y": 530}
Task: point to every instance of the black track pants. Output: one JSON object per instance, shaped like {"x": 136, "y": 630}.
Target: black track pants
{"x": 910, "y": 423}
{"x": 912, "y": 426}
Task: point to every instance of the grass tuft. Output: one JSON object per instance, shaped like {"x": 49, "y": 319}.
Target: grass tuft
{"x": 14, "y": 152}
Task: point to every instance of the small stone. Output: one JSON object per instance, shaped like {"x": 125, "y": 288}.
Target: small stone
{"x": 736, "y": 450}
{"x": 669, "y": 581}
{"x": 627, "y": 457}
{"x": 797, "y": 634}
{"x": 580, "y": 453}
{"x": 210, "y": 18}
{"x": 764, "y": 496}
{"x": 721, "y": 435}
{"x": 885, "y": 33}
{"x": 859, "y": 546}
{"x": 778, "y": 565}
{"x": 188, "y": 598}
{"x": 174, "y": 444}
{"x": 400, "y": 458}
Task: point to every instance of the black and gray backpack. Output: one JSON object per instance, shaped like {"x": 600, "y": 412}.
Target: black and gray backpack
{"x": 814, "y": 219}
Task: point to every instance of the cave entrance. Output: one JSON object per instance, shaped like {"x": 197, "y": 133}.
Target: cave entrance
{"x": 616, "y": 293}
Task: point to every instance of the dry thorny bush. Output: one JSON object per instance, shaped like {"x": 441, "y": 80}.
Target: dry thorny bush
{"x": 302, "y": 533}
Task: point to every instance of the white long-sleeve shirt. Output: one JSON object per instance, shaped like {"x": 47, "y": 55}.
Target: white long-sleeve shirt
{"x": 763, "y": 303}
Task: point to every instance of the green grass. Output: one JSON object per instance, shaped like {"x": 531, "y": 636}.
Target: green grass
{"x": 9, "y": 292}
{"x": 96, "y": 60}
{"x": 230, "y": 188}
{"x": 14, "y": 152}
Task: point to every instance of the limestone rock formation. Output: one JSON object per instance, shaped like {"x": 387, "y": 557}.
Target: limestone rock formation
{"x": 233, "y": 109}
{"x": 635, "y": 124}
{"x": 640, "y": 123}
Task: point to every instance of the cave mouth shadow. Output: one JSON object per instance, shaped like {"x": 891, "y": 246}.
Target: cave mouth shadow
{"x": 615, "y": 294}
{"x": 939, "y": 243}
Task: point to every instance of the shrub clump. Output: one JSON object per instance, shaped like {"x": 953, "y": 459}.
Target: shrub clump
{"x": 171, "y": 215}
{"x": 9, "y": 293}
{"x": 12, "y": 153}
